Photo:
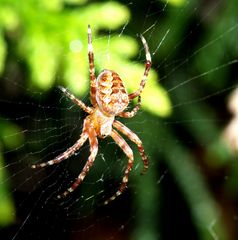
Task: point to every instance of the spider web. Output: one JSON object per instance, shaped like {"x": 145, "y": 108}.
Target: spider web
{"x": 163, "y": 198}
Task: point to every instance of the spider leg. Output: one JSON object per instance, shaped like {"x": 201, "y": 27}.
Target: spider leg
{"x": 146, "y": 72}
{"x": 78, "y": 102}
{"x": 69, "y": 152}
{"x": 133, "y": 112}
{"x": 134, "y": 138}
{"x": 93, "y": 152}
{"x": 91, "y": 68}
{"x": 127, "y": 150}
{"x": 63, "y": 156}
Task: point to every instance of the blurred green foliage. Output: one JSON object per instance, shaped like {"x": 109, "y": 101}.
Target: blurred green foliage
{"x": 7, "y": 209}
{"x": 221, "y": 42}
{"x": 175, "y": 2}
{"x": 10, "y": 138}
{"x": 193, "y": 144}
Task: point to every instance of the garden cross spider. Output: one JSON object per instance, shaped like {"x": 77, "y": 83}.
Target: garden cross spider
{"x": 109, "y": 99}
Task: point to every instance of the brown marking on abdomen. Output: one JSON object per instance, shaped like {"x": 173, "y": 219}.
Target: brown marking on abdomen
{"x": 111, "y": 94}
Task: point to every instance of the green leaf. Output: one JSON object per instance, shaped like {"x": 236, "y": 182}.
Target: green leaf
{"x": 7, "y": 209}
{"x": 74, "y": 1}
{"x": 8, "y": 18}
{"x": 2, "y": 53}
{"x": 177, "y": 3}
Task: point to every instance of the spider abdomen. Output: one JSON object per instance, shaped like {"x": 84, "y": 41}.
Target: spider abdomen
{"x": 111, "y": 95}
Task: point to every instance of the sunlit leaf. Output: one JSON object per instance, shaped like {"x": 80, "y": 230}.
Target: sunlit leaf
{"x": 42, "y": 56}
{"x": 175, "y": 2}
{"x": 156, "y": 100}
{"x": 76, "y": 73}
{"x": 53, "y": 5}
{"x": 74, "y": 1}
{"x": 8, "y": 18}
{"x": 113, "y": 13}
{"x": 2, "y": 53}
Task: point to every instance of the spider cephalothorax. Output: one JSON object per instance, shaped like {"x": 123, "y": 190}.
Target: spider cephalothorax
{"x": 109, "y": 99}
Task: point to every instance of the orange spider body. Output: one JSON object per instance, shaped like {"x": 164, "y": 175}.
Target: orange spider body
{"x": 112, "y": 99}
{"x": 109, "y": 98}
{"x": 101, "y": 123}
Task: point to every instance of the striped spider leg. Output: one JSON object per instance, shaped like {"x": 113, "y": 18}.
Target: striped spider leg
{"x": 142, "y": 83}
{"x": 109, "y": 99}
{"x": 127, "y": 150}
{"x": 93, "y": 79}
{"x": 93, "y": 153}
{"x": 70, "y": 151}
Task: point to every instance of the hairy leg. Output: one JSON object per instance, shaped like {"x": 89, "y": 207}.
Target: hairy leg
{"x": 127, "y": 150}
{"x": 93, "y": 152}
{"x": 146, "y": 72}
{"x": 91, "y": 68}
{"x": 76, "y": 100}
{"x": 133, "y": 112}
{"x": 63, "y": 156}
{"x": 134, "y": 138}
{"x": 69, "y": 152}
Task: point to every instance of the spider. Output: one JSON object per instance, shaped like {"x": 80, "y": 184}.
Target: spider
{"x": 109, "y": 99}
